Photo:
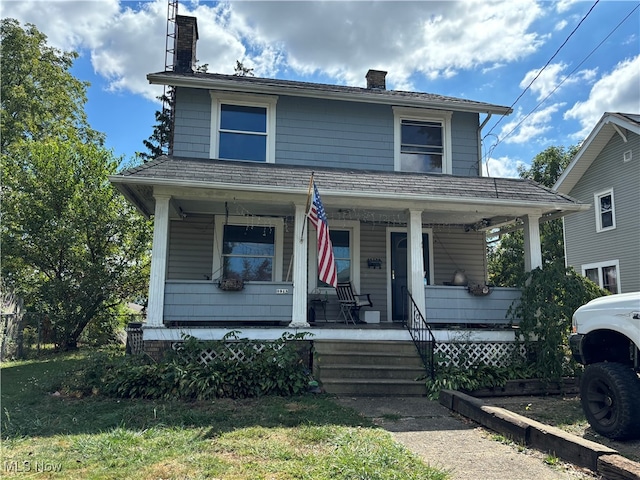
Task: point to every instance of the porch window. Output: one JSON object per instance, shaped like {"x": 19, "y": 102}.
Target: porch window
{"x": 422, "y": 140}
{"x": 248, "y": 251}
{"x": 341, "y": 254}
{"x": 243, "y": 127}
{"x": 605, "y": 211}
{"x": 605, "y": 274}
{"x": 345, "y": 237}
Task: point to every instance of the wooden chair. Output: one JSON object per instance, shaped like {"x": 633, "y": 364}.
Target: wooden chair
{"x": 351, "y": 303}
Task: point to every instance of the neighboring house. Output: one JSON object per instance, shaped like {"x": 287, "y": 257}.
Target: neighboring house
{"x": 604, "y": 243}
{"x": 399, "y": 174}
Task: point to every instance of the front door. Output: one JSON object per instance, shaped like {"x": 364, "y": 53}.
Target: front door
{"x": 399, "y": 272}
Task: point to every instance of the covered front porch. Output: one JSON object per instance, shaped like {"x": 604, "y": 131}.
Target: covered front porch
{"x": 393, "y": 233}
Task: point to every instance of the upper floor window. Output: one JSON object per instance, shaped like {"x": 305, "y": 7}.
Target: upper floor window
{"x": 605, "y": 211}
{"x": 248, "y": 251}
{"x": 243, "y": 127}
{"x": 422, "y": 140}
{"x": 605, "y": 274}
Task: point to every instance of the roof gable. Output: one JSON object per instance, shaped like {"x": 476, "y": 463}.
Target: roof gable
{"x": 609, "y": 125}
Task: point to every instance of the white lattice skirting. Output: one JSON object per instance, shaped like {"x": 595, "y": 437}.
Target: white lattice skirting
{"x": 466, "y": 354}
{"x": 235, "y": 351}
{"x": 460, "y": 354}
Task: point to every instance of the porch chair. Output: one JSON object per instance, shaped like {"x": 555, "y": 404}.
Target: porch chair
{"x": 351, "y": 303}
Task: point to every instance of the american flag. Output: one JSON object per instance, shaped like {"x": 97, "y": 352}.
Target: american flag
{"x": 326, "y": 262}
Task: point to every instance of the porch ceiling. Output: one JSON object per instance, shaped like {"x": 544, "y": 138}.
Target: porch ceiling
{"x": 245, "y": 188}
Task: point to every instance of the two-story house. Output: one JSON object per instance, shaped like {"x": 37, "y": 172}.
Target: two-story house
{"x": 399, "y": 174}
{"x": 604, "y": 243}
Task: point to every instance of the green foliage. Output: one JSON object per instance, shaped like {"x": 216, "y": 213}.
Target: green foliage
{"x": 72, "y": 246}
{"x": 276, "y": 369}
{"x": 549, "y": 298}
{"x": 241, "y": 71}
{"x": 467, "y": 377}
{"x": 161, "y": 140}
{"x": 39, "y": 96}
{"x": 506, "y": 260}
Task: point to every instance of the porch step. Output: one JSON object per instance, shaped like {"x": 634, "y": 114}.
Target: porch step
{"x": 381, "y": 388}
{"x": 359, "y": 368}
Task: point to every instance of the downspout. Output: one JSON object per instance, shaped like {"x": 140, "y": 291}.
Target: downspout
{"x": 480, "y": 143}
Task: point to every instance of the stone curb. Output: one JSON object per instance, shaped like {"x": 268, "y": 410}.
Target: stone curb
{"x": 603, "y": 460}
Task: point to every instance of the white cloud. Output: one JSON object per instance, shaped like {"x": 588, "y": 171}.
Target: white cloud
{"x": 502, "y": 167}
{"x": 560, "y": 25}
{"x": 550, "y": 80}
{"x": 523, "y": 128}
{"x": 617, "y": 91}
{"x": 339, "y": 40}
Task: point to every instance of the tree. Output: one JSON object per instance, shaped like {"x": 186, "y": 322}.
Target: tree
{"x": 506, "y": 260}
{"x": 241, "y": 71}
{"x": 72, "y": 246}
{"x": 39, "y": 96}
{"x": 160, "y": 141}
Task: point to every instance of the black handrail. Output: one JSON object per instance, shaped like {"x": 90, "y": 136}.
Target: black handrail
{"x": 422, "y": 336}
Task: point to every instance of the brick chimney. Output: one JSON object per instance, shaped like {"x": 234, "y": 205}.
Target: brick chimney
{"x": 186, "y": 38}
{"x": 376, "y": 79}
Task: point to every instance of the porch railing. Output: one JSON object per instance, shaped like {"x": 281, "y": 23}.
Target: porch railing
{"x": 422, "y": 335}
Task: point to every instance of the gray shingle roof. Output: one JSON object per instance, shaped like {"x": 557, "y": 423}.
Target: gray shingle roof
{"x": 291, "y": 87}
{"x": 333, "y": 181}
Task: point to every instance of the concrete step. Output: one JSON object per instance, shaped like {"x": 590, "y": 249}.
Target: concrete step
{"x": 359, "y": 387}
{"x": 378, "y": 372}
{"x": 324, "y": 346}
{"x": 368, "y": 358}
{"x": 360, "y": 368}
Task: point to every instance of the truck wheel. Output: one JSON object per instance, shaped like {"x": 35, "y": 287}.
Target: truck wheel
{"x": 610, "y": 394}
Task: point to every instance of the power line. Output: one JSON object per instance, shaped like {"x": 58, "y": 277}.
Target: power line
{"x": 499, "y": 141}
{"x": 547, "y": 64}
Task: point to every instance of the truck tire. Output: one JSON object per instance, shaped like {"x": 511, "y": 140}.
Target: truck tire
{"x": 610, "y": 398}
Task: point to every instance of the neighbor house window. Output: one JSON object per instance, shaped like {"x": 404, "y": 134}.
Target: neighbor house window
{"x": 605, "y": 274}
{"x": 605, "y": 211}
{"x": 345, "y": 237}
{"x": 243, "y": 127}
{"x": 248, "y": 250}
{"x": 422, "y": 140}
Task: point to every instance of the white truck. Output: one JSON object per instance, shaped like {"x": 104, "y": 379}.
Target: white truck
{"x": 605, "y": 338}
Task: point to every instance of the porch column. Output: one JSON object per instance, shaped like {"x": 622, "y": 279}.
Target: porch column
{"x": 532, "y": 244}
{"x": 415, "y": 261}
{"x": 299, "y": 310}
{"x": 155, "y": 307}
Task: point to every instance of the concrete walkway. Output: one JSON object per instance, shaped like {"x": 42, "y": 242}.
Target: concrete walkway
{"x": 451, "y": 442}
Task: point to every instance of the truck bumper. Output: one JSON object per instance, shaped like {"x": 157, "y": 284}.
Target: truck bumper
{"x": 575, "y": 343}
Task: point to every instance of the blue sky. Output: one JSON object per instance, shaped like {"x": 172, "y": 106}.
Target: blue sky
{"x": 481, "y": 50}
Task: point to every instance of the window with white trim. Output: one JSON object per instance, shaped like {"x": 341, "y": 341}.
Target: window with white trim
{"x": 248, "y": 250}
{"x": 605, "y": 211}
{"x": 243, "y": 127}
{"x": 422, "y": 140}
{"x": 605, "y": 274}
{"x": 345, "y": 238}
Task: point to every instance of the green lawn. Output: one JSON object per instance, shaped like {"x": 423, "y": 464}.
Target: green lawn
{"x": 305, "y": 437}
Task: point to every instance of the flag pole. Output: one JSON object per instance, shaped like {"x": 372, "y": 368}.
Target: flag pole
{"x": 306, "y": 212}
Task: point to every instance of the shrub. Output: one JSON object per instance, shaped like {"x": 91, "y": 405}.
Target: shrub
{"x": 250, "y": 369}
{"x": 549, "y": 298}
